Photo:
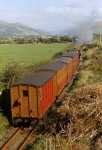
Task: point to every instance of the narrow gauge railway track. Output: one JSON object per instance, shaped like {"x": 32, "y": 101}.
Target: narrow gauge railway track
{"x": 7, "y": 135}
{"x": 29, "y": 140}
{"x": 19, "y": 139}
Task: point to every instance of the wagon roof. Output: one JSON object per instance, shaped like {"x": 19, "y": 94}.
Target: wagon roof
{"x": 55, "y": 66}
{"x": 70, "y": 54}
{"x": 37, "y": 78}
{"x": 63, "y": 59}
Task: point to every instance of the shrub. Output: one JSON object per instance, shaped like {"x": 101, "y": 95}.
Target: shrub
{"x": 11, "y": 73}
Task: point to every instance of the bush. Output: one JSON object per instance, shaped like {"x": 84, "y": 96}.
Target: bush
{"x": 11, "y": 73}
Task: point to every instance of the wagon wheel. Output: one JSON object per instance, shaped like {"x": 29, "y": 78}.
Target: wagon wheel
{"x": 96, "y": 142}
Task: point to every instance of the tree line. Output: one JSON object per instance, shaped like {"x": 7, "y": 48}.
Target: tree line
{"x": 25, "y": 40}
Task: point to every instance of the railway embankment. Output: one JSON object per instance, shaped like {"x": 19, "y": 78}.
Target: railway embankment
{"x": 76, "y": 123}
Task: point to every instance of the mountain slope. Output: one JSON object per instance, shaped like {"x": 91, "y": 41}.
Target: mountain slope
{"x": 16, "y": 29}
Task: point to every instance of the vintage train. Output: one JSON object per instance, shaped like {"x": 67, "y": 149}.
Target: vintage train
{"x": 32, "y": 96}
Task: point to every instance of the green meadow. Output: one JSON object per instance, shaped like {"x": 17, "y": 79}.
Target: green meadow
{"x": 28, "y": 54}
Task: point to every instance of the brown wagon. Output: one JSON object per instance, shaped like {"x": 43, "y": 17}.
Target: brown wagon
{"x": 31, "y": 97}
{"x": 75, "y": 60}
{"x": 60, "y": 70}
{"x": 68, "y": 72}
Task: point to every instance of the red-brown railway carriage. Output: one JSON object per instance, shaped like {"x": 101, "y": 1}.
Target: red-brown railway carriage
{"x": 31, "y": 97}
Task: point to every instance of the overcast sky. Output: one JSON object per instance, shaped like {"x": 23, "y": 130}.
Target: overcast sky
{"x": 51, "y": 15}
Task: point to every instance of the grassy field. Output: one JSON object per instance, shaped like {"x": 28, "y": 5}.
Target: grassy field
{"x": 28, "y": 54}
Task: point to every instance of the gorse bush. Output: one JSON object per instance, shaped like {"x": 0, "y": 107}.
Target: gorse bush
{"x": 11, "y": 73}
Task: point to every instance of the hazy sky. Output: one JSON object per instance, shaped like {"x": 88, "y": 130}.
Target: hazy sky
{"x": 51, "y": 15}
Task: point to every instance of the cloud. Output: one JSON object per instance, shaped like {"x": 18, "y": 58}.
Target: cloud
{"x": 58, "y": 10}
{"x": 73, "y": 15}
{"x": 54, "y": 15}
{"x": 76, "y": 14}
{"x": 84, "y": 3}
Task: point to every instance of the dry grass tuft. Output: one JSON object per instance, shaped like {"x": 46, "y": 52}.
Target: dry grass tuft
{"x": 85, "y": 109}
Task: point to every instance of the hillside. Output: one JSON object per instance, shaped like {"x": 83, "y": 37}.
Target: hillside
{"x": 18, "y": 30}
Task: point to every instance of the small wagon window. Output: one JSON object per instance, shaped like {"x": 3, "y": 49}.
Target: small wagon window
{"x": 25, "y": 93}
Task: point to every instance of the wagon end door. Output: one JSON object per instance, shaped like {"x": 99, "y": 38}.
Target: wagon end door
{"x": 28, "y": 101}
{"x": 24, "y": 101}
